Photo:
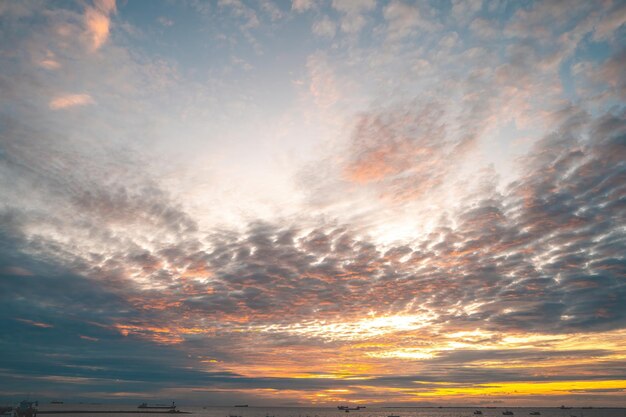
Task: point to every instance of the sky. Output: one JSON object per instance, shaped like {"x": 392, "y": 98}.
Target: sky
{"x": 313, "y": 201}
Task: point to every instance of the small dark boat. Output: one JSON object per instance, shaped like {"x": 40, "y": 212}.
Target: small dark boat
{"x": 242, "y": 405}
{"x": 507, "y": 413}
{"x": 478, "y": 412}
{"x": 535, "y": 413}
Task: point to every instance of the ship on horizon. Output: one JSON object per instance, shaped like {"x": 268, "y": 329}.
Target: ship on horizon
{"x": 348, "y": 408}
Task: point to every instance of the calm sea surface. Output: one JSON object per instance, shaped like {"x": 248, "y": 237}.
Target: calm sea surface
{"x": 330, "y": 412}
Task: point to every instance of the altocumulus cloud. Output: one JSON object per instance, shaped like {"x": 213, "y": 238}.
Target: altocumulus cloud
{"x": 421, "y": 255}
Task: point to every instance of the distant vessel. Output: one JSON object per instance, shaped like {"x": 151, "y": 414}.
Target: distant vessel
{"x": 242, "y": 405}
{"x": 507, "y": 413}
{"x": 158, "y": 406}
{"x": 478, "y": 412}
{"x": 26, "y": 409}
{"x": 56, "y": 402}
{"x": 535, "y": 413}
{"x": 564, "y": 408}
{"x": 347, "y": 408}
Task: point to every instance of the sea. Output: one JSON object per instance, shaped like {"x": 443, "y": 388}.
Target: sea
{"x": 211, "y": 411}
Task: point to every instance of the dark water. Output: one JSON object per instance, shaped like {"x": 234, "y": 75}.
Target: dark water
{"x": 333, "y": 412}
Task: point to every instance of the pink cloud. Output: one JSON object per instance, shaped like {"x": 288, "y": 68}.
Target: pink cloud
{"x": 70, "y": 100}
{"x": 17, "y": 270}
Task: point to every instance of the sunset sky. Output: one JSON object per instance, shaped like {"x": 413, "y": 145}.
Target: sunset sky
{"x": 313, "y": 201}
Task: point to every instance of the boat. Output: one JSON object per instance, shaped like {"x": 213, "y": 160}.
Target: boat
{"x": 507, "y": 413}
{"x": 347, "y": 408}
{"x": 56, "y": 402}
{"x": 242, "y": 405}
{"x": 393, "y": 416}
{"x": 478, "y": 412}
{"x": 158, "y": 406}
{"x": 564, "y": 408}
{"x": 535, "y": 413}
{"x": 26, "y": 409}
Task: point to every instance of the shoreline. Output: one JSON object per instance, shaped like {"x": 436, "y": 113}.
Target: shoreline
{"x": 108, "y": 412}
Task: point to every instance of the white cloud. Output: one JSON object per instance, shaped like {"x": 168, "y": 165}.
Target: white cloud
{"x": 302, "y": 5}
{"x": 403, "y": 19}
{"x": 241, "y": 10}
{"x": 325, "y": 28}
{"x": 165, "y": 21}
{"x": 353, "y": 20}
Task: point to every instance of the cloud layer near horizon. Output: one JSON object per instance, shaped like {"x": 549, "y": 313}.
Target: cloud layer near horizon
{"x": 414, "y": 216}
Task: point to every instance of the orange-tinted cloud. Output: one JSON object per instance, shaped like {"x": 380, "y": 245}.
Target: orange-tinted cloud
{"x": 36, "y": 323}
{"x": 97, "y": 22}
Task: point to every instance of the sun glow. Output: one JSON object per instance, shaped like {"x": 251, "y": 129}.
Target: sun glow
{"x": 356, "y": 330}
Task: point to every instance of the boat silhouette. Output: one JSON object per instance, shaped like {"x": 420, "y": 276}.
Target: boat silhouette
{"x": 158, "y": 406}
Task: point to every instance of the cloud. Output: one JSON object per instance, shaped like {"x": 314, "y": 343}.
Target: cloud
{"x": 165, "y": 21}
{"x": 400, "y": 146}
{"x": 97, "y": 22}
{"x": 408, "y": 268}
{"x": 464, "y": 10}
{"x": 516, "y": 263}
{"x": 353, "y": 11}
{"x": 610, "y": 22}
{"x": 302, "y": 5}
{"x": 325, "y": 28}
{"x": 272, "y": 10}
{"x": 240, "y": 10}
{"x": 70, "y": 100}
{"x": 323, "y": 87}
{"x": 35, "y": 323}
{"x": 17, "y": 271}
{"x": 404, "y": 19}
